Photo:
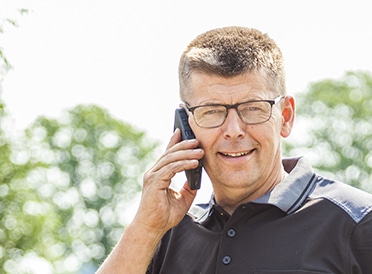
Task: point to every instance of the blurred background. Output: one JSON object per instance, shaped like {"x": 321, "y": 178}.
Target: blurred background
{"x": 87, "y": 98}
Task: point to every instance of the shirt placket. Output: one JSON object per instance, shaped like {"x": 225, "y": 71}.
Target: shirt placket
{"x": 228, "y": 251}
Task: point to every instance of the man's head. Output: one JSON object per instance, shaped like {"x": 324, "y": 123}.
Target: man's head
{"x": 233, "y": 85}
{"x": 232, "y": 51}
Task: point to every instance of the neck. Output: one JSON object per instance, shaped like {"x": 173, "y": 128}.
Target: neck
{"x": 229, "y": 198}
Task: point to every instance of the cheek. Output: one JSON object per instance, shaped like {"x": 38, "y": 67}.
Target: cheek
{"x": 275, "y": 123}
{"x": 268, "y": 136}
{"x": 203, "y": 135}
{"x": 275, "y": 138}
{"x": 206, "y": 138}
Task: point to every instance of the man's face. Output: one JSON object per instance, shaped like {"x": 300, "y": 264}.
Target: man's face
{"x": 240, "y": 159}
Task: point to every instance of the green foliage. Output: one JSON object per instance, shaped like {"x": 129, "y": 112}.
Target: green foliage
{"x": 67, "y": 187}
{"x": 335, "y": 117}
{"x": 19, "y": 231}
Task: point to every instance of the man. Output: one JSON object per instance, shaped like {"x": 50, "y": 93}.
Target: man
{"x": 267, "y": 214}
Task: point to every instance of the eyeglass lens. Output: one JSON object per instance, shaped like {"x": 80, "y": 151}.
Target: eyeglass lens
{"x": 250, "y": 113}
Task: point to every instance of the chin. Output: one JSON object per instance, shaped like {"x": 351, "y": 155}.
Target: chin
{"x": 235, "y": 180}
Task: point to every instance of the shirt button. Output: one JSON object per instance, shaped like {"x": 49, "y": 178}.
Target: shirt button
{"x": 231, "y": 233}
{"x": 226, "y": 260}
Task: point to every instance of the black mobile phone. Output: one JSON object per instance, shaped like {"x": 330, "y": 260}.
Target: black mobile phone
{"x": 181, "y": 121}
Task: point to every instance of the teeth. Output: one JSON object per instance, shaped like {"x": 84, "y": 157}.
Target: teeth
{"x": 235, "y": 154}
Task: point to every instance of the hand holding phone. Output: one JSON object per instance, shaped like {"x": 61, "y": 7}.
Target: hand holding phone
{"x": 181, "y": 121}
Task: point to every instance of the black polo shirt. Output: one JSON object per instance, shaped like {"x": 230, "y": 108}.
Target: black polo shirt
{"x": 306, "y": 224}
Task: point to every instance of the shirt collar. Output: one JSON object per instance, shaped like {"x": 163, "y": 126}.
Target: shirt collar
{"x": 288, "y": 195}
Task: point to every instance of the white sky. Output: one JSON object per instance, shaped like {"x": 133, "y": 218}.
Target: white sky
{"x": 123, "y": 55}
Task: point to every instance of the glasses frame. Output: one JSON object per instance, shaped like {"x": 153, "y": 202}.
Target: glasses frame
{"x": 235, "y": 106}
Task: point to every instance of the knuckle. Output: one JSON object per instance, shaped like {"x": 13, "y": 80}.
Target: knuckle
{"x": 148, "y": 176}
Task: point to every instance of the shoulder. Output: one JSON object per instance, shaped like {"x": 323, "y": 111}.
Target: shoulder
{"x": 355, "y": 202}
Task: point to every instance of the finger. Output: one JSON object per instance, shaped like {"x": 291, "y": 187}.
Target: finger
{"x": 178, "y": 156}
{"x": 188, "y": 193}
{"x": 162, "y": 177}
{"x": 176, "y": 152}
{"x": 176, "y": 138}
{"x": 176, "y": 143}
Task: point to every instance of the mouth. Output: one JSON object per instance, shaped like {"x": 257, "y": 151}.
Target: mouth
{"x": 236, "y": 154}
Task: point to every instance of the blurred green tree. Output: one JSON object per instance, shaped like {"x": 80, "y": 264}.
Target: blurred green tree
{"x": 87, "y": 169}
{"x": 65, "y": 189}
{"x": 335, "y": 120}
{"x": 15, "y": 227}
{"x": 65, "y": 186}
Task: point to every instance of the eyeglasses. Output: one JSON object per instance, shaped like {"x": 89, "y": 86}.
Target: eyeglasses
{"x": 251, "y": 112}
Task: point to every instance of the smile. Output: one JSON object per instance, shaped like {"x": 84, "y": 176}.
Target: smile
{"x": 236, "y": 154}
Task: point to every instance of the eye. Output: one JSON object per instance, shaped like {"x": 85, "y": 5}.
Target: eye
{"x": 211, "y": 110}
{"x": 251, "y": 107}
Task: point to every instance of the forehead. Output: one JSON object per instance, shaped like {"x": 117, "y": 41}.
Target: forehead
{"x": 205, "y": 88}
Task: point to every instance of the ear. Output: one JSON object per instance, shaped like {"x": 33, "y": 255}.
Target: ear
{"x": 288, "y": 116}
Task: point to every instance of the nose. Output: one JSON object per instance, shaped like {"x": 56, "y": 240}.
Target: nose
{"x": 233, "y": 127}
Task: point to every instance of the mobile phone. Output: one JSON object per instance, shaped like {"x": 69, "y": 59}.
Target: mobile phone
{"x": 181, "y": 121}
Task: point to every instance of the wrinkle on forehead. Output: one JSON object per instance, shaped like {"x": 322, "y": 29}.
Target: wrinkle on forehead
{"x": 211, "y": 89}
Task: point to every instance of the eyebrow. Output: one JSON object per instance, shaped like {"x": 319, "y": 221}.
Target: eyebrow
{"x": 222, "y": 104}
